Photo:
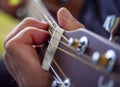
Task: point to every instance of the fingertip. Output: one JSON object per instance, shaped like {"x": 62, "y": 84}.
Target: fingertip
{"x": 62, "y": 15}
{"x": 67, "y": 21}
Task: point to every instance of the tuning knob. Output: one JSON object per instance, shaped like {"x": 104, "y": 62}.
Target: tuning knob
{"x": 106, "y": 60}
{"x": 80, "y": 45}
{"x": 65, "y": 83}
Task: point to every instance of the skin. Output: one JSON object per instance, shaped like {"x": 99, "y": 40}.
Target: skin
{"x": 20, "y": 56}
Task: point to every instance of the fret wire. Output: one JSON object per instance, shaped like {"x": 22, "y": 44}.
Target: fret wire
{"x": 96, "y": 67}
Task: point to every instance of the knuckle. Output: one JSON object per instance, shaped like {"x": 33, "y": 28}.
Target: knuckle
{"x": 10, "y": 45}
{"x": 28, "y": 29}
{"x": 28, "y": 20}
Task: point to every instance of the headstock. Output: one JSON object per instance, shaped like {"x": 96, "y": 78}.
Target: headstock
{"x": 80, "y": 69}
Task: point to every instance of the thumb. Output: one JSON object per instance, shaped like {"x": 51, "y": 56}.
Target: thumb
{"x": 67, "y": 21}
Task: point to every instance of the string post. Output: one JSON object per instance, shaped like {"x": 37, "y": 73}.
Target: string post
{"x": 80, "y": 45}
{"x": 65, "y": 83}
{"x": 106, "y": 60}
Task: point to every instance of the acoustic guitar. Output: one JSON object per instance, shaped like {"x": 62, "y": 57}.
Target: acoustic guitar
{"x": 77, "y": 58}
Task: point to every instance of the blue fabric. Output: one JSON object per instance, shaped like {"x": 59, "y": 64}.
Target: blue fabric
{"x": 96, "y": 11}
{"x": 6, "y": 79}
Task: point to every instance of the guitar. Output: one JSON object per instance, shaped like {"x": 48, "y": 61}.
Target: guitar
{"x": 78, "y": 58}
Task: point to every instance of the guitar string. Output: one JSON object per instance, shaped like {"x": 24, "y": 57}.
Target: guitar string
{"x": 55, "y": 73}
{"x": 95, "y": 67}
{"x": 61, "y": 71}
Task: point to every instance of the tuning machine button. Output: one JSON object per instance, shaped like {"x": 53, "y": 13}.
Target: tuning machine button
{"x": 80, "y": 45}
{"x": 65, "y": 83}
{"x": 106, "y": 60}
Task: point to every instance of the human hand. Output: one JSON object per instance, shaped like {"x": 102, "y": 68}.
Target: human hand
{"x": 20, "y": 56}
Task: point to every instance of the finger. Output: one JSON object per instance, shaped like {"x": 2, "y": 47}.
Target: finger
{"x": 24, "y": 55}
{"x": 30, "y": 36}
{"x": 67, "y": 21}
{"x": 24, "y": 40}
{"x": 21, "y": 50}
{"x": 28, "y": 22}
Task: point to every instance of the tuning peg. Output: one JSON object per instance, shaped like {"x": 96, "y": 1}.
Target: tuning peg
{"x": 56, "y": 83}
{"x": 106, "y": 60}
{"x": 65, "y": 83}
{"x": 80, "y": 45}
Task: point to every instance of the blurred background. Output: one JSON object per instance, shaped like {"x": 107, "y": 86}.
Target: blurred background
{"x": 11, "y": 13}
{"x": 7, "y": 23}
